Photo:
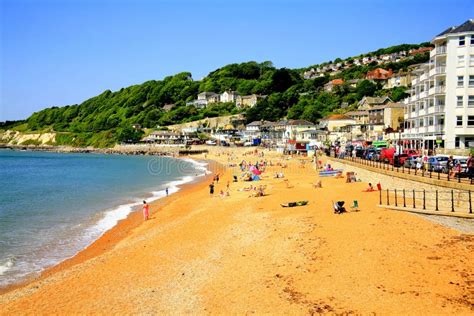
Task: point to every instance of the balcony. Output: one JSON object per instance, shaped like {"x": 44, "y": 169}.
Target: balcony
{"x": 440, "y": 70}
{"x": 424, "y": 76}
{"x": 440, "y": 50}
{"x": 440, "y": 89}
{"x": 423, "y": 94}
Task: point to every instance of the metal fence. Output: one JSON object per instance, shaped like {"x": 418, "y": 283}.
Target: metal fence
{"x": 460, "y": 178}
{"x": 437, "y": 200}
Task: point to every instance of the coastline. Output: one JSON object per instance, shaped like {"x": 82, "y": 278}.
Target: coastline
{"x": 202, "y": 254}
{"x": 119, "y": 231}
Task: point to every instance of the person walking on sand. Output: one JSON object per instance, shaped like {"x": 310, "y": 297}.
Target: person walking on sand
{"x": 146, "y": 211}
{"x": 211, "y": 188}
{"x": 166, "y": 191}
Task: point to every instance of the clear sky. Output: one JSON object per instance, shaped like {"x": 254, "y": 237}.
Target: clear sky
{"x": 55, "y": 53}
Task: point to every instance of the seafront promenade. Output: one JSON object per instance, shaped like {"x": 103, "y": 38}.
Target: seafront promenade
{"x": 238, "y": 254}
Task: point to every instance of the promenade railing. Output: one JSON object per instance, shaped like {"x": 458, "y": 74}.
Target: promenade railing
{"x": 417, "y": 172}
{"x": 434, "y": 200}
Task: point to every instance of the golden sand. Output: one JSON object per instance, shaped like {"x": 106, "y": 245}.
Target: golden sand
{"x": 240, "y": 255}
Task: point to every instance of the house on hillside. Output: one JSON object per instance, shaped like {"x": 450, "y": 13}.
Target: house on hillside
{"x": 209, "y": 97}
{"x": 369, "y": 102}
{"x": 168, "y": 107}
{"x": 382, "y": 117}
{"x": 228, "y": 96}
{"x": 248, "y": 100}
{"x": 420, "y": 50}
{"x": 360, "y": 116}
{"x": 400, "y": 79}
{"x": 334, "y": 122}
{"x": 333, "y": 83}
{"x": 379, "y": 74}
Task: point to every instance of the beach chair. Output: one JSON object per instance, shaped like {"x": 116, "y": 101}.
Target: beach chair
{"x": 355, "y": 206}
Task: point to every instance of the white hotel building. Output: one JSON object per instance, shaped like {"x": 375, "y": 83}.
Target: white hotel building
{"x": 440, "y": 111}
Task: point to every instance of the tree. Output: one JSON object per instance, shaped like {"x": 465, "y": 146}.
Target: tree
{"x": 129, "y": 135}
{"x": 365, "y": 88}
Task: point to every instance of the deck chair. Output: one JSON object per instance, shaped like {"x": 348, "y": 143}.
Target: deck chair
{"x": 355, "y": 206}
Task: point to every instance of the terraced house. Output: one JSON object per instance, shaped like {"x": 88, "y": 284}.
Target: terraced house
{"x": 440, "y": 111}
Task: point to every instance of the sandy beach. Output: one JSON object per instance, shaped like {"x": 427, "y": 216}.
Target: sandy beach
{"x": 202, "y": 254}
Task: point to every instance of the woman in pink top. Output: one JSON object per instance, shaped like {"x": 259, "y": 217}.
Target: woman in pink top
{"x": 146, "y": 212}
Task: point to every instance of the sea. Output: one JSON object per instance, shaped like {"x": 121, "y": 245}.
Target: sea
{"x": 53, "y": 205}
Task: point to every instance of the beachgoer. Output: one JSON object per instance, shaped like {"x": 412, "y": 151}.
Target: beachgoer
{"x": 211, "y": 188}
{"x": 217, "y": 178}
{"x": 228, "y": 185}
{"x": 370, "y": 188}
{"x": 470, "y": 166}
{"x": 146, "y": 211}
{"x": 166, "y": 191}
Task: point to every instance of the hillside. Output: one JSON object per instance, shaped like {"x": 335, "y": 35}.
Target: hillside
{"x": 105, "y": 119}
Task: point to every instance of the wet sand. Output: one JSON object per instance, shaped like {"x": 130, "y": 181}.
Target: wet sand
{"x": 239, "y": 255}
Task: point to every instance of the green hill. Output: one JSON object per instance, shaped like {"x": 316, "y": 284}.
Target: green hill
{"x": 107, "y": 118}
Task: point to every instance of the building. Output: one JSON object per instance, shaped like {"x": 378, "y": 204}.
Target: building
{"x": 379, "y": 74}
{"x": 209, "y": 97}
{"x": 420, "y": 50}
{"x": 393, "y": 116}
{"x": 440, "y": 111}
{"x": 168, "y": 107}
{"x": 333, "y": 83}
{"x": 248, "y": 100}
{"x": 360, "y": 116}
{"x": 333, "y": 123}
{"x": 369, "y": 102}
{"x": 228, "y": 96}
{"x": 400, "y": 79}
{"x": 164, "y": 137}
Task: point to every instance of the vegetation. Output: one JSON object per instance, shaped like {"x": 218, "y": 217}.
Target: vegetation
{"x": 112, "y": 117}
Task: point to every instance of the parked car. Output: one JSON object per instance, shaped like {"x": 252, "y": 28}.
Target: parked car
{"x": 359, "y": 152}
{"x": 438, "y": 164}
{"x": 369, "y": 153}
{"x": 386, "y": 155}
{"x": 410, "y": 162}
{"x": 399, "y": 159}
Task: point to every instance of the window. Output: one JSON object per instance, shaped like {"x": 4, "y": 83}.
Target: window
{"x": 461, "y": 61}
{"x": 471, "y": 59}
{"x": 468, "y": 141}
{"x": 459, "y": 120}
{"x": 462, "y": 40}
{"x": 472, "y": 39}
{"x": 420, "y": 124}
{"x": 430, "y": 121}
{"x": 470, "y": 100}
{"x": 470, "y": 120}
{"x": 471, "y": 81}
{"x": 459, "y": 101}
{"x": 456, "y": 142}
{"x": 460, "y": 81}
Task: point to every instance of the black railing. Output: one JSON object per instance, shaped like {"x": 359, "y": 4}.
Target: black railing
{"x": 463, "y": 178}
{"x": 437, "y": 200}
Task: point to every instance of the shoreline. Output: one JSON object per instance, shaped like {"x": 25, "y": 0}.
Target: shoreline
{"x": 242, "y": 254}
{"x": 111, "y": 237}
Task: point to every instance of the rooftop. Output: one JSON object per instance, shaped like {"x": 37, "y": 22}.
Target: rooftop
{"x": 467, "y": 26}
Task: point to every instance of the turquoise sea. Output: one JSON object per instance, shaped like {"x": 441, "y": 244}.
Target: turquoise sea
{"x": 53, "y": 205}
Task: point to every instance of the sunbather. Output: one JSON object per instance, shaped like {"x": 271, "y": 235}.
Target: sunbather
{"x": 370, "y": 188}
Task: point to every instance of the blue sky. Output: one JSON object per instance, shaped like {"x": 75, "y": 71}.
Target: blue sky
{"x": 55, "y": 53}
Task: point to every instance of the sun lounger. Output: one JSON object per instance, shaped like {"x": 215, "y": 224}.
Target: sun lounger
{"x": 293, "y": 204}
